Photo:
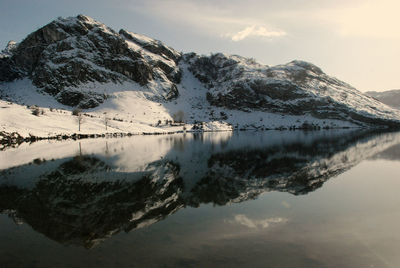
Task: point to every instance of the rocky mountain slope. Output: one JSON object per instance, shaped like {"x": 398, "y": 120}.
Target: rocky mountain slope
{"x": 390, "y": 97}
{"x": 80, "y": 62}
{"x": 67, "y": 53}
{"x": 294, "y": 88}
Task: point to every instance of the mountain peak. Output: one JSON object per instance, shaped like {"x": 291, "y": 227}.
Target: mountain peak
{"x": 86, "y": 18}
{"x": 82, "y": 21}
{"x": 77, "y": 19}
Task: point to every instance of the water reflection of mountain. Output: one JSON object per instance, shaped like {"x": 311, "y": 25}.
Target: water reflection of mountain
{"x": 297, "y": 168}
{"x": 392, "y": 153}
{"x": 84, "y": 199}
{"x": 71, "y": 205}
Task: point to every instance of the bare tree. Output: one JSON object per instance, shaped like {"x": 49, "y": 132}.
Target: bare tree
{"x": 79, "y": 117}
{"x": 80, "y": 120}
{"x": 106, "y": 119}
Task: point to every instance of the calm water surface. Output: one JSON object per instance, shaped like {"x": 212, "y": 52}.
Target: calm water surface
{"x": 248, "y": 199}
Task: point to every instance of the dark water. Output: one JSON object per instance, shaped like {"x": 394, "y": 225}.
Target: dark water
{"x": 248, "y": 199}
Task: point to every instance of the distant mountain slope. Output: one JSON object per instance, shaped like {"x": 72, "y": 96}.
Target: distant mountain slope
{"x": 295, "y": 88}
{"x": 81, "y": 62}
{"x": 390, "y": 97}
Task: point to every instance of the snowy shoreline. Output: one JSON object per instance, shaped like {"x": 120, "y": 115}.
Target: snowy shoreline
{"x": 14, "y": 138}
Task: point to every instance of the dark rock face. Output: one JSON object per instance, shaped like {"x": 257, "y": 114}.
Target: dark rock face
{"x": 164, "y": 58}
{"x": 69, "y": 52}
{"x": 8, "y": 71}
{"x": 83, "y": 99}
{"x": 296, "y": 88}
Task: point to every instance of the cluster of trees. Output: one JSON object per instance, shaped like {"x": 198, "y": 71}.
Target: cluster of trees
{"x": 178, "y": 117}
{"x": 36, "y": 110}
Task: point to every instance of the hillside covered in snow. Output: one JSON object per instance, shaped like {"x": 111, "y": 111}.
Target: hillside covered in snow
{"x": 129, "y": 83}
{"x": 389, "y": 97}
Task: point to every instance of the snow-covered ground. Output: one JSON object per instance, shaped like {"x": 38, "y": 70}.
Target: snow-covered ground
{"x": 129, "y": 109}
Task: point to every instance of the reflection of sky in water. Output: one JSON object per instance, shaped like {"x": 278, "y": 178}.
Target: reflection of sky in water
{"x": 351, "y": 221}
{"x": 255, "y": 224}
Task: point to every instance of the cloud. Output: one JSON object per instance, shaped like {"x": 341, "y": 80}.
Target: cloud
{"x": 255, "y": 31}
{"x": 255, "y": 224}
{"x": 365, "y": 18}
{"x": 212, "y": 18}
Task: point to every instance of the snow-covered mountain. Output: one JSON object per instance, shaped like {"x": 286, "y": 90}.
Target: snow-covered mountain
{"x": 294, "y": 88}
{"x": 80, "y": 62}
{"x": 389, "y": 97}
{"x": 67, "y": 53}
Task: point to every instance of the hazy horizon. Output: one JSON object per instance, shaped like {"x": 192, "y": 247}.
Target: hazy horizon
{"x": 355, "y": 41}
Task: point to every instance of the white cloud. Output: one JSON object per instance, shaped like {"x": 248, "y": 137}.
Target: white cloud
{"x": 254, "y": 224}
{"x": 213, "y": 18}
{"x": 255, "y": 31}
{"x": 366, "y": 18}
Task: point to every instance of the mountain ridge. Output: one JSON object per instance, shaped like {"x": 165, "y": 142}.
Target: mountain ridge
{"x": 82, "y": 63}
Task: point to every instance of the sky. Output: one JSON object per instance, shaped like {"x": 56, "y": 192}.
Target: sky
{"x": 356, "y": 41}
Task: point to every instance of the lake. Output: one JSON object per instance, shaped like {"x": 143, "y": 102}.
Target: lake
{"x": 225, "y": 199}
